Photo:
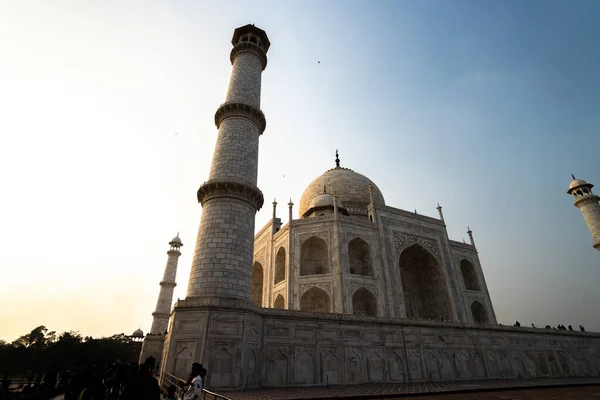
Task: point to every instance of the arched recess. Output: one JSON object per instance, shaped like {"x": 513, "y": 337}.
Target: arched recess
{"x": 359, "y": 254}
{"x": 279, "y": 302}
{"x": 280, "y": 265}
{"x": 257, "y": 284}
{"x": 364, "y": 303}
{"x": 469, "y": 275}
{"x": 314, "y": 257}
{"x": 479, "y": 313}
{"x": 315, "y": 300}
{"x": 425, "y": 293}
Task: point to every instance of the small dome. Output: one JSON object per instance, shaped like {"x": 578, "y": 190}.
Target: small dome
{"x": 351, "y": 190}
{"x": 323, "y": 200}
{"x": 176, "y": 240}
{"x": 577, "y": 183}
{"x": 138, "y": 333}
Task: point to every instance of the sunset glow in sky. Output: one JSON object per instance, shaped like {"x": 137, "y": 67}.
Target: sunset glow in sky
{"x": 485, "y": 107}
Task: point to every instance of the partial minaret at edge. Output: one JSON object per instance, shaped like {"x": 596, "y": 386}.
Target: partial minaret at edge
{"x": 160, "y": 317}
{"x": 589, "y": 205}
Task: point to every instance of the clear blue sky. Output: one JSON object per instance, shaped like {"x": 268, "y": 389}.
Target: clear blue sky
{"x": 485, "y": 107}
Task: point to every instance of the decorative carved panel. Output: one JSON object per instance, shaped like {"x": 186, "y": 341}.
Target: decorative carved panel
{"x": 260, "y": 256}
{"x": 354, "y": 286}
{"x": 403, "y": 240}
{"x": 326, "y": 286}
{"x": 321, "y": 234}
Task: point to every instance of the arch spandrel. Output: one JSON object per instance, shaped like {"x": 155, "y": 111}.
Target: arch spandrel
{"x": 326, "y": 286}
{"x": 403, "y": 241}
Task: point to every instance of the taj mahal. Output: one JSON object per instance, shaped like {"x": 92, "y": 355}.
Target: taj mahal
{"x": 353, "y": 290}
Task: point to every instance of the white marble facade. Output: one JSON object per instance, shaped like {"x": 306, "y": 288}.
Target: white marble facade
{"x": 351, "y": 291}
{"x": 354, "y": 256}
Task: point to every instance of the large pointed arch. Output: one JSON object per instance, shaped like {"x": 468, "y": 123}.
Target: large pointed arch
{"x": 479, "y": 313}
{"x": 257, "y": 283}
{"x": 364, "y": 303}
{"x": 315, "y": 300}
{"x": 280, "y": 265}
{"x": 359, "y": 254}
{"x": 425, "y": 294}
{"x": 469, "y": 275}
{"x": 314, "y": 257}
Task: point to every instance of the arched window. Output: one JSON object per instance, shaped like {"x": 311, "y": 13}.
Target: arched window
{"x": 315, "y": 300}
{"x": 364, "y": 303}
{"x": 314, "y": 257}
{"x": 359, "y": 253}
{"x": 479, "y": 313}
{"x": 280, "y": 266}
{"x": 423, "y": 285}
{"x": 469, "y": 275}
{"x": 279, "y": 302}
{"x": 257, "y": 284}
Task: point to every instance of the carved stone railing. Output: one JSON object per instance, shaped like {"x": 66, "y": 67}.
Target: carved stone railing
{"x": 249, "y": 47}
{"x": 243, "y": 110}
{"x": 237, "y": 190}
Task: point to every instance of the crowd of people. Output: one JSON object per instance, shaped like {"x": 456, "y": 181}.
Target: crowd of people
{"x": 116, "y": 381}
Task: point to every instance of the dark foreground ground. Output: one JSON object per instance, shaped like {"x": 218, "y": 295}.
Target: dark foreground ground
{"x": 551, "y": 389}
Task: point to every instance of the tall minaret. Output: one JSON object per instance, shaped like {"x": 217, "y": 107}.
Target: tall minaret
{"x": 222, "y": 265}
{"x": 160, "y": 320}
{"x": 589, "y": 205}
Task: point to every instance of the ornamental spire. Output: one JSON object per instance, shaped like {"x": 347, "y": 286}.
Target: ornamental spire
{"x": 337, "y": 159}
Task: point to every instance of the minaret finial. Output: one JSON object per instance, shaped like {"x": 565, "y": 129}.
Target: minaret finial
{"x": 337, "y": 159}
{"x": 177, "y": 234}
{"x": 573, "y": 176}
{"x": 439, "y": 208}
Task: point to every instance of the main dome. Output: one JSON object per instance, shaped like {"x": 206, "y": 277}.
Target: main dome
{"x": 350, "y": 188}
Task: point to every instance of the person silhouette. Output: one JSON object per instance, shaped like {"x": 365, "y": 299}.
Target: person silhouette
{"x": 194, "y": 391}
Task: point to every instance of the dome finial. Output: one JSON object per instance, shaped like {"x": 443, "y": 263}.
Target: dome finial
{"x": 573, "y": 176}
{"x": 337, "y": 159}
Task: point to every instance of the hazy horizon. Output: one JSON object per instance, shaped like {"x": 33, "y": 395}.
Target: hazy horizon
{"x": 485, "y": 107}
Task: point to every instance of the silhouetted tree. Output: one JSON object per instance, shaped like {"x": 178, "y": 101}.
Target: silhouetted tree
{"x": 570, "y": 328}
{"x": 517, "y": 323}
{"x": 41, "y": 349}
{"x": 37, "y": 338}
